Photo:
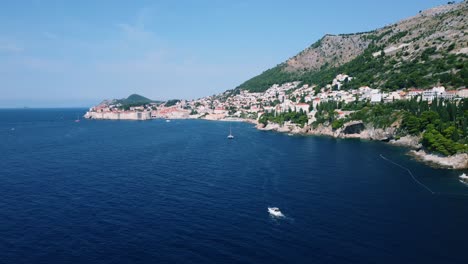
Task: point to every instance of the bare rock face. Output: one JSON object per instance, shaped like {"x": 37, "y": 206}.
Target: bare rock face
{"x": 295, "y": 129}
{"x": 287, "y": 127}
{"x": 382, "y": 134}
{"x": 354, "y": 127}
{"x": 284, "y": 129}
{"x": 446, "y": 23}
{"x": 327, "y": 50}
{"x": 305, "y": 129}
{"x": 357, "y": 129}
{"x": 260, "y": 126}
{"x": 270, "y": 126}
{"x": 407, "y": 141}
{"x": 322, "y": 131}
{"x": 457, "y": 161}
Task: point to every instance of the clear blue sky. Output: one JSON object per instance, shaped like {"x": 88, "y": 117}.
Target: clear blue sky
{"x": 76, "y": 53}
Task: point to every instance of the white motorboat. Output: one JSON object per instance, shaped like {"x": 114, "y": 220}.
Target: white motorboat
{"x": 463, "y": 178}
{"x": 275, "y": 211}
{"x": 230, "y": 136}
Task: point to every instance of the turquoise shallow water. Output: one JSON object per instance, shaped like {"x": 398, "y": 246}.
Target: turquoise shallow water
{"x": 180, "y": 192}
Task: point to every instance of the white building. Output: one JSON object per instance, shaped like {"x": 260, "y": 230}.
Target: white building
{"x": 302, "y": 106}
{"x": 414, "y": 93}
{"x": 450, "y": 95}
{"x": 393, "y": 96}
{"x": 439, "y": 90}
{"x": 463, "y": 93}
{"x": 436, "y": 92}
{"x": 376, "y": 97}
{"x": 428, "y": 95}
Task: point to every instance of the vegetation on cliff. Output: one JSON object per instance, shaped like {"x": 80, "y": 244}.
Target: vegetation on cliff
{"x": 442, "y": 124}
{"x": 299, "y": 118}
{"x": 171, "y": 102}
{"x": 133, "y": 101}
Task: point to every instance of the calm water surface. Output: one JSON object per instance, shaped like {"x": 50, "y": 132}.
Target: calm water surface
{"x": 180, "y": 192}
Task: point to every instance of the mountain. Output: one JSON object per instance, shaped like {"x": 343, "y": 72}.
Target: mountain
{"x": 421, "y": 51}
{"x": 135, "y": 99}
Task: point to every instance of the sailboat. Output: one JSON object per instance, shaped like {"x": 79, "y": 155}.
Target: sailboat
{"x": 77, "y": 119}
{"x": 230, "y": 136}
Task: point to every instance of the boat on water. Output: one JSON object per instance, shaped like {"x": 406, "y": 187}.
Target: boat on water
{"x": 230, "y": 136}
{"x": 168, "y": 120}
{"x": 463, "y": 178}
{"x": 77, "y": 119}
{"x": 275, "y": 211}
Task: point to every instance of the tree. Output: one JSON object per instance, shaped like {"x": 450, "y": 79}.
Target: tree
{"x": 428, "y": 117}
{"x": 412, "y": 124}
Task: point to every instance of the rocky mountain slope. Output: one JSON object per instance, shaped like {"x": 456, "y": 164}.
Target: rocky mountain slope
{"x": 424, "y": 50}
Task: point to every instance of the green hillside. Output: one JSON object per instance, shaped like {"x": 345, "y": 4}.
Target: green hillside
{"x": 135, "y": 99}
{"x": 422, "y": 51}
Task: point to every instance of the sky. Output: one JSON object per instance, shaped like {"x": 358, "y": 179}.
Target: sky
{"x": 77, "y": 53}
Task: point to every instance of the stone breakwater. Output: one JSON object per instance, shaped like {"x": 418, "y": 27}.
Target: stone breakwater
{"x": 357, "y": 129}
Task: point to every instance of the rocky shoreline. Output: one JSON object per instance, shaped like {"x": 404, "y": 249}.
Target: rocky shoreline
{"x": 456, "y": 162}
{"x": 357, "y": 129}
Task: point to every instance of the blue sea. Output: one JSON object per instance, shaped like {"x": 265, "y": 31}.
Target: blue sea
{"x": 180, "y": 192}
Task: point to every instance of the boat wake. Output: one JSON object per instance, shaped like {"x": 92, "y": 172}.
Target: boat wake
{"x": 410, "y": 173}
{"x": 419, "y": 182}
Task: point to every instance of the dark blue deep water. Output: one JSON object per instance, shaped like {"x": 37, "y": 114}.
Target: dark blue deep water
{"x": 180, "y": 192}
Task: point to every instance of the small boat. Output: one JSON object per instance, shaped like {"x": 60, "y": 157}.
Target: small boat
{"x": 77, "y": 119}
{"x": 463, "y": 179}
{"x": 230, "y": 136}
{"x": 275, "y": 211}
{"x": 168, "y": 120}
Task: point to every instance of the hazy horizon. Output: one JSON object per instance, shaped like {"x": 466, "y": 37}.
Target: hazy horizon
{"x": 77, "y": 54}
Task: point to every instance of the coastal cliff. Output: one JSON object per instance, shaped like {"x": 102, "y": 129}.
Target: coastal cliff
{"x": 355, "y": 129}
{"x": 359, "y": 130}
{"x": 458, "y": 161}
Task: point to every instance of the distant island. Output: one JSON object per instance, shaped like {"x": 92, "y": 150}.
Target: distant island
{"x": 404, "y": 84}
